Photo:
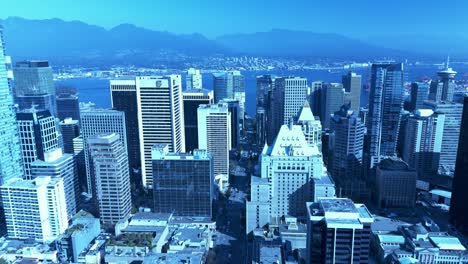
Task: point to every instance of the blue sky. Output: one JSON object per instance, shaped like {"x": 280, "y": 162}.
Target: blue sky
{"x": 355, "y": 18}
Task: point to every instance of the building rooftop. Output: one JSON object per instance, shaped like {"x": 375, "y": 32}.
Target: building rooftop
{"x": 291, "y": 142}
{"x": 339, "y": 213}
{"x": 197, "y": 92}
{"x": 442, "y": 193}
{"x": 393, "y": 164}
{"x": 161, "y": 152}
{"x": 447, "y": 242}
{"x": 306, "y": 113}
{"x": 270, "y": 254}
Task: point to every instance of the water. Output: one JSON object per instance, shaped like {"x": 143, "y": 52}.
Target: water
{"x": 97, "y": 90}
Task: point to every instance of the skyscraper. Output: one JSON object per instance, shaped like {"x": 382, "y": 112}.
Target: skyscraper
{"x": 385, "y": 105}
{"x": 193, "y": 79}
{"x": 419, "y": 94}
{"x": 230, "y": 85}
{"x": 317, "y": 97}
{"x": 311, "y": 126}
{"x": 35, "y": 209}
{"x": 423, "y": 142}
{"x": 68, "y": 106}
{"x": 38, "y": 133}
{"x": 70, "y": 129}
{"x": 443, "y": 89}
{"x": 352, "y": 85}
{"x": 346, "y": 154}
{"x": 192, "y": 100}
{"x": 264, "y": 114}
{"x": 99, "y": 121}
{"x": 161, "y": 118}
{"x": 214, "y": 135}
{"x": 235, "y": 111}
{"x": 124, "y": 98}
{"x": 110, "y": 165}
{"x": 183, "y": 183}
{"x": 334, "y": 99}
{"x": 338, "y": 231}
{"x": 35, "y": 79}
{"x": 459, "y": 205}
{"x": 292, "y": 173}
{"x": 448, "y": 151}
{"x": 261, "y": 126}
{"x": 59, "y": 165}
{"x": 10, "y": 148}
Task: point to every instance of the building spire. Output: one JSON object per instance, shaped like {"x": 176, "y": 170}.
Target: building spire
{"x": 447, "y": 63}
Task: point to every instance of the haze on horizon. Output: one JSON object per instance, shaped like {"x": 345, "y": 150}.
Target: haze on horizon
{"x": 360, "y": 19}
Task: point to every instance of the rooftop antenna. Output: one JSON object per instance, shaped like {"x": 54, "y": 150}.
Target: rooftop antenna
{"x": 448, "y": 61}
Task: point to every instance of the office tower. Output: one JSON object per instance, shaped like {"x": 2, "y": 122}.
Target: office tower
{"x": 79, "y": 155}
{"x": 124, "y": 98}
{"x": 68, "y": 106}
{"x": 235, "y": 111}
{"x": 161, "y": 118}
{"x": 443, "y": 89}
{"x": 59, "y": 165}
{"x": 334, "y": 99}
{"x": 34, "y": 79}
{"x": 338, "y": 231}
{"x": 183, "y": 182}
{"x": 265, "y": 86}
{"x": 385, "y": 105}
{"x": 99, "y": 121}
{"x": 317, "y": 97}
{"x": 395, "y": 184}
{"x": 419, "y": 94}
{"x": 448, "y": 151}
{"x": 70, "y": 129}
{"x": 346, "y": 154}
{"x": 214, "y": 135}
{"x": 192, "y": 100}
{"x": 459, "y": 205}
{"x": 193, "y": 79}
{"x": 310, "y": 125}
{"x": 264, "y": 93}
{"x": 423, "y": 142}
{"x": 292, "y": 173}
{"x": 112, "y": 176}
{"x": 352, "y": 85}
{"x": 10, "y": 148}
{"x": 230, "y": 85}
{"x": 261, "y": 126}
{"x": 35, "y": 209}
{"x": 38, "y": 134}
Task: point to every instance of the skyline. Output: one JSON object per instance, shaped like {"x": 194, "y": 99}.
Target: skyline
{"x": 346, "y": 18}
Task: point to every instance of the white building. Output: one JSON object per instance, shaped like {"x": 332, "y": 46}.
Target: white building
{"x": 311, "y": 126}
{"x": 214, "y": 135}
{"x": 35, "y": 209}
{"x": 59, "y": 165}
{"x": 161, "y": 118}
{"x": 112, "y": 176}
{"x": 292, "y": 173}
{"x": 193, "y": 79}
{"x": 293, "y": 92}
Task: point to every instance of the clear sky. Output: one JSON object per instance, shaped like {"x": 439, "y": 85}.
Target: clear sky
{"x": 355, "y": 18}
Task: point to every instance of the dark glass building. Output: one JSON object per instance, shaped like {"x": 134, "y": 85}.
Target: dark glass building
{"x": 459, "y": 203}
{"x": 124, "y": 98}
{"x": 192, "y": 100}
{"x": 182, "y": 183}
{"x": 234, "y": 109}
{"x": 70, "y": 130}
{"x": 68, "y": 106}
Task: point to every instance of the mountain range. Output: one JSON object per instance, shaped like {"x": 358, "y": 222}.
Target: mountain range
{"x": 75, "y": 42}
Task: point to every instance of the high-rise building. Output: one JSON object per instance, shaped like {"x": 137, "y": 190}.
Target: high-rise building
{"x": 161, "y": 118}
{"x": 261, "y": 126}
{"x": 395, "y": 184}
{"x": 264, "y": 114}
{"x": 311, "y": 126}
{"x": 443, "y": 89}
{"x": 423, "y": 142}
{"x": 352, "y": 85}
{"x": 459, "y": 205}
{"x": 79, "y": 155}
{"x": 385, "y": 105}
{"x": 230, "y": 85}
{"x": 235, "y": 111}
{"x": 112, "y": 176}
{"x": 346, "y": 146}
{"x": 35, "y": 209}
{"x": 59, "y": 165}
{"x": 338, "y": 231}
{"x": 124, "y": 98}
{"x": 334, "y": 99}
{"x": 35, "y": 79}
{"x": 10, "y": 148}
{"x": 192, "y": 100}
{"x": 68, "y": 106}
{"x": 214, "y": 135}
{"x": 292, "y": 173}
{"x": 99, "y": 121}
{"x": 38, "y": 133}
{"x": 448, "y": 151}
{"x": 193, "y": 79}
{"x": 317, "y": 97}
{"x": 70, "y": 129}
{"x": 419, "y": 94}
{"x": 183, "y": 182}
